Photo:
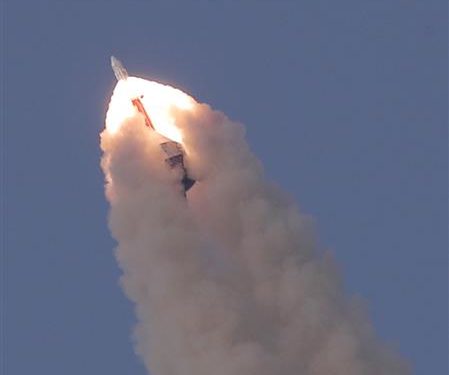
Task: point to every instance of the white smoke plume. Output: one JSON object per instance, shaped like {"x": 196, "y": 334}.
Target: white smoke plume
{"x": 229, "y": 281}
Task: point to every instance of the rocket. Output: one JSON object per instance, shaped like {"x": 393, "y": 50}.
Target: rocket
{"x": 173, "y": 150}
{"x": 118, "y": 69}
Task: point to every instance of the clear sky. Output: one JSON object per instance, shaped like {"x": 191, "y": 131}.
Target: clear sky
{"x": 345, "y": 103}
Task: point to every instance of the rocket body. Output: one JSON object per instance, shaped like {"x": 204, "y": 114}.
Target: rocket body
{"x": 173, "y": 150}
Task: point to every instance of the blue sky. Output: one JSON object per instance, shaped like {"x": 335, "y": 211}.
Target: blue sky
{"x": 344, "y": 102}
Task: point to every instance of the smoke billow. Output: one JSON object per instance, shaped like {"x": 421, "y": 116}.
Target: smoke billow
{"x": 230, "y": 281}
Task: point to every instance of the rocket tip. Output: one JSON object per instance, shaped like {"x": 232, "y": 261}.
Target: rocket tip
{"x": 119, "y": 70}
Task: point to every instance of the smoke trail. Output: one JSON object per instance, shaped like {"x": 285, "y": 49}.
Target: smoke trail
{"x": 230, "y": 282}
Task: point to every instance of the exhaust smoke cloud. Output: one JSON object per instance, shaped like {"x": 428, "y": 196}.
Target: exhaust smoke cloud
{"x": 229, "y": 281}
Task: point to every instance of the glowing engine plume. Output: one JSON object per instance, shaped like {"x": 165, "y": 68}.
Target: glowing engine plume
{"x": 159, "y": 100}
{"x": 231, "y": 283}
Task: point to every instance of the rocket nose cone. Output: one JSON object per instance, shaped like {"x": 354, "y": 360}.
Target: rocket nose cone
{"x": 118, "y": 69}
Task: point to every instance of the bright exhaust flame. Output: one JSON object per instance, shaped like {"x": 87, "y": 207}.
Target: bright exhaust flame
{"x": 159, "y": 101}
{"x": 229, "y": 280}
